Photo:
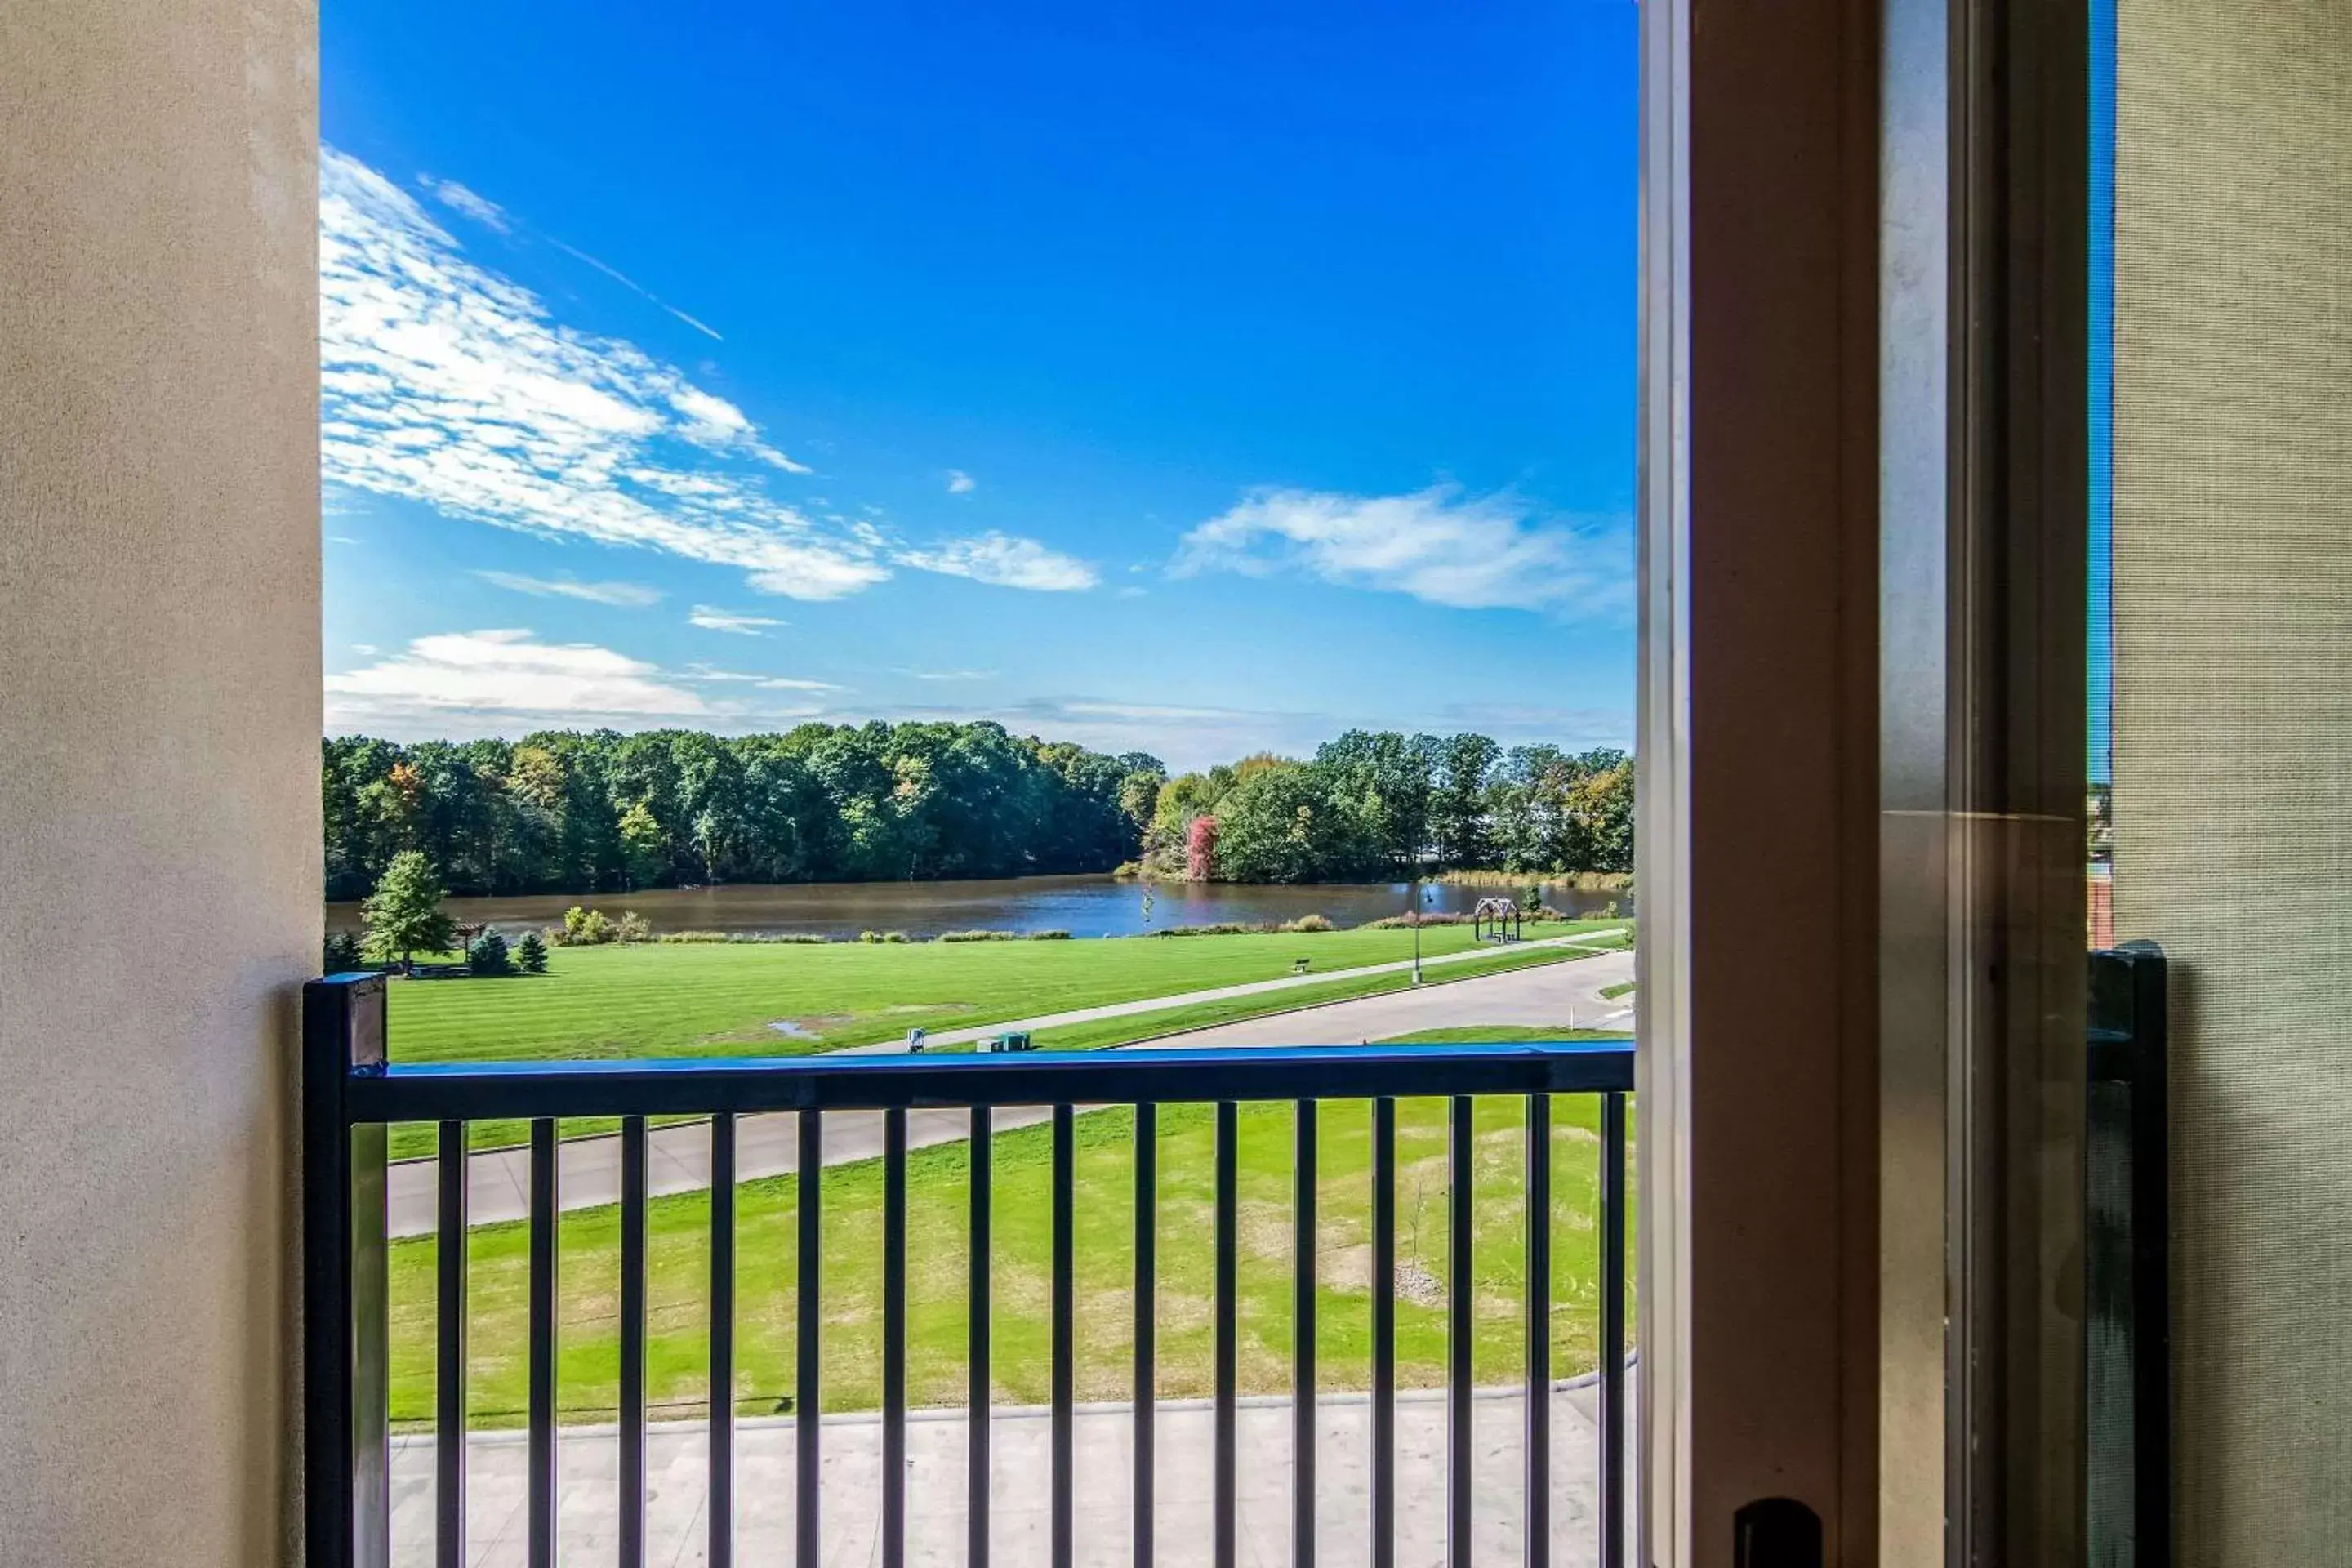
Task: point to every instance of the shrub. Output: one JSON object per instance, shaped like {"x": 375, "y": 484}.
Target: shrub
{"x": 584, "y": 928}
{"x": 488, "y": 956}
{"x": 980, "y": 936}
{"x": 814, "y": 939}
{"x": 1310, "y": 923}
{"x": 1127, "y": 871}
{"x": 633, "y": 927}
{"x": 1222, "y": 928}
{"x": 1049, "y": 936}
{"x": 342, "y": 952}
{"x": 894, "y": 936}
{"x": 530, "y": 954}
{"x": 869, "y": 936}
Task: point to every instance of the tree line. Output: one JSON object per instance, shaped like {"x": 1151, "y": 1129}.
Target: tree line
{"x": 1378, "y": 807}
{"x": 565, "y": 811}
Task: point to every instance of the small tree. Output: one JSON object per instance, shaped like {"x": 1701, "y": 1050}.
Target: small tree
{"x": 342, "y": 952}
{"x": 488, "y": 956}
{"x": 403, "y": 914}
{"x": 1201, "y": 849}
{"x": 531, "y": 953}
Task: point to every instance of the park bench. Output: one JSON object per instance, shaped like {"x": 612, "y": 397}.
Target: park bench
{"x": 1299, "y": 965}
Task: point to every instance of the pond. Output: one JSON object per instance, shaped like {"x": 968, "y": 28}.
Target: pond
{"x": 1082, "y": 905}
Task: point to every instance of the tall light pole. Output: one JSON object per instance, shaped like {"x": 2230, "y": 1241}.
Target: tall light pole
{"x": 1416, "y": 923}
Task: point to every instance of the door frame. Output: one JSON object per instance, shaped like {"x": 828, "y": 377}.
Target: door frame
{"x": 1863, "y": 542}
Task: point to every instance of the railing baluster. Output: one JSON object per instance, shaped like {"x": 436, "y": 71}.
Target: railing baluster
{"x": 1612, "y": 1330}
{"x": 1065, "y": 1336}
{"x": 894, "y": 1339}
{"x": 808, "y": 1312}
{"x": 632, "y": 1518}
{"x": 1303, "y": 1412}
{"x": 539, "y": 1524}
{"x": 1459, "y": 1306}
{"x": 721, "y": 1505}
{"x": 1146, "y": 1329}
{"x": 1539, "y": 1353}
{"x": 1228, "y": 1335}
{"x": 1383, "y": 1333}
{"x": 981, "y": 1393}
{"x": 449, "y": 1364}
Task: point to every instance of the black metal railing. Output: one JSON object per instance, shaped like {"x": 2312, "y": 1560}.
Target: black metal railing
{"x": 352, "y": 1097}
{"x": 2128, "y": 1359}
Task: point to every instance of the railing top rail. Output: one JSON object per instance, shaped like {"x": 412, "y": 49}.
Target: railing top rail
{"x": 670, "y": 1086}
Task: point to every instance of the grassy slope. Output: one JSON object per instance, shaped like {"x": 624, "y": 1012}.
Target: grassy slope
{"x": 939, "y": 1187}
{"x": 717, "y": 999}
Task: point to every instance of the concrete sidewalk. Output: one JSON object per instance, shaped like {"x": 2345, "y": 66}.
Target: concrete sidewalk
{"x": 678, "y": 1157}
{"x": 676, "y": 1460}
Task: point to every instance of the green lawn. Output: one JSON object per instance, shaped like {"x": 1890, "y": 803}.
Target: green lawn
{"x": 723, "y": 999}
{"x": 939, "y": 1186}
{"x": 1623, "y": 988}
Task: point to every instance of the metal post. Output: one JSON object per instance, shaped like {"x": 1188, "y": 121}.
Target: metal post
{"x": 346, "y": 1329}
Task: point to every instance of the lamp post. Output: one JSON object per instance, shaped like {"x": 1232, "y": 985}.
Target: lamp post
{"x": 1416, "y": 924}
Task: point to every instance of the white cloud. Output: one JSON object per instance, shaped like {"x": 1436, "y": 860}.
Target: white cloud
{"x": 950, "y": 674}
{"x": 1006, "y": 562}
{"x": 488, "y": 682}
{"x": 960, "y": 483}
{"x": 764, "y": 682}
{"x": 459, "y": 199}
{"x": 632, "y": 596}
{"x": 1438, "y": 544}
{"x": 448, "y": 383}
{"x": 711, "y": 619}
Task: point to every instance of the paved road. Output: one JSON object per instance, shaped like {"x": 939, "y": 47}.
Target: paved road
{"x": 1216, "y": 993}
{"x": 678, "y": 1158}
{"x": 676, "y": 1470}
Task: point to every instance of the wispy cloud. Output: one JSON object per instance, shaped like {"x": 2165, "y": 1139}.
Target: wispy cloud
{"x": 448, "y": 383}
{"x": 960, "y": 483}
{"x": 763, "y": 682}
{"x": 1006, "y": 562}
{"x": 711, "y": 619}
{"x": 631, "y": 595}
{"x": 458, "y": 198}
{"x": 478, "y": 682}
{"x": 1441, "y": 545}
{"x": 950, "y": 674}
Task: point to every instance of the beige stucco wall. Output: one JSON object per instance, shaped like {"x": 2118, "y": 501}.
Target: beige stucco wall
{"x": 2233, "y": 733}
{"x": 159, "y": 808}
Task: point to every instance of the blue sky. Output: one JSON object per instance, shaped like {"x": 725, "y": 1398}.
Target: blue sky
{"x": 1193, "y": 381}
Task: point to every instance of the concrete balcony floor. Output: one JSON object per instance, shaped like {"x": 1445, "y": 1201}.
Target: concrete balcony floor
{"x": 677, "y": 1527}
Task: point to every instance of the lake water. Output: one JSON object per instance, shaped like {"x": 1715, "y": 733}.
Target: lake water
{"x": 1083, "y": 906}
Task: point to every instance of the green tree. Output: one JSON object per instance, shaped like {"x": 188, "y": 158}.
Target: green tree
{"x": 645, "y": 846}
{"x": 1457, "y": 807}
{"x": 531, "y": 953}
{"x": 403, "y": 914}
{"x": 488, "y": 956}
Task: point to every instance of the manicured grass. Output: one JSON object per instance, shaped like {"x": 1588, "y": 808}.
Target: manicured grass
{"x": 1623, "y": 988}
{"x": 1499, "y": 1034}
{"x": 939, "y": 1187}
{"x": 721, "y": 999}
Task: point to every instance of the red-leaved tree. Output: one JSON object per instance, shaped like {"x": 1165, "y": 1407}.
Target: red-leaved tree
{"x": 1201, "y": 849}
